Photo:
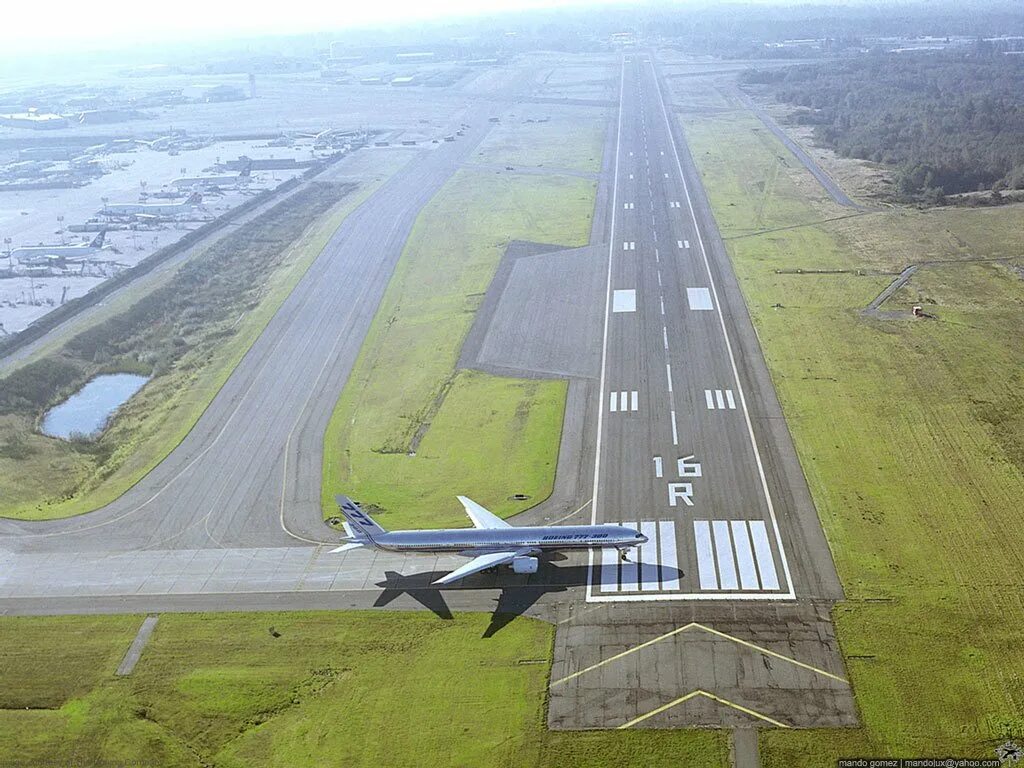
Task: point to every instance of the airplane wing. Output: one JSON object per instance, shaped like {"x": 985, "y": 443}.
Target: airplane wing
{"x": 347, "y": 547}
{"x": 481, "y": 517}
{"x": 478, "y": 564}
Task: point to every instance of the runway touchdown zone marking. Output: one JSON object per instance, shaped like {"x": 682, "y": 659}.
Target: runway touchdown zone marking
{"x": 718, "y": 399}
{"x": 699, "y": 298}
{"x": 624, "y": 300}
{"x": 623, "y": 401}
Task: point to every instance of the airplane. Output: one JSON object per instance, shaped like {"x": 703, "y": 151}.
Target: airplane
{"x": 34, "y": 252}
{"x": 214, "y": 182}
{"x": 158, "y": 209}
{"x": 491, "y": 542}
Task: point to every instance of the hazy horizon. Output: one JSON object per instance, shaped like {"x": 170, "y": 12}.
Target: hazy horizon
{"x": 65, "y": 27}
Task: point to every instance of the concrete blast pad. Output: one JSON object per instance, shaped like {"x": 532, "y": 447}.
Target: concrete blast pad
{"x": 738, "y": 665}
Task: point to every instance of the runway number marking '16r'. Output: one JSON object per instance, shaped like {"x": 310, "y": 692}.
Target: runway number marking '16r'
{"x": 686, "y": 467}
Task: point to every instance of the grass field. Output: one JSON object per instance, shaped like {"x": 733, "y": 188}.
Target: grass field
{"x": 300, "y": 689}
{"x": 911, "y": 437}
{"x": 44, "y": 478}
{"x": 572, "y": 140}
{"x": 482, "y": 436}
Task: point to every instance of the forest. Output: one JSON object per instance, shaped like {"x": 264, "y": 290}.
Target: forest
{"x": 947, "y": 123}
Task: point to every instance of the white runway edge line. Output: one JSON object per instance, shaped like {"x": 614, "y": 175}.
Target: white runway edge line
{"x": 607, "y": 317}
{"x": 791, "y": 594}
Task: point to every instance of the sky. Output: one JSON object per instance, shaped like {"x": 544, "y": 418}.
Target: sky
{"x": 72, "y": 24}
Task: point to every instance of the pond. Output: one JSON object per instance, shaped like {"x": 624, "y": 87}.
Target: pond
{"x": 86, "y": 412}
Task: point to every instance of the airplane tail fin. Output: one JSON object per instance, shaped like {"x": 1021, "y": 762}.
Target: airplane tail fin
{"x": 362, "y": 527}
{"x": 97, "y": 242}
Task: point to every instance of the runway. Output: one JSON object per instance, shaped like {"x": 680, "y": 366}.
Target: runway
{"x": 692, "y": 449}
{"x": 677, "y": 450}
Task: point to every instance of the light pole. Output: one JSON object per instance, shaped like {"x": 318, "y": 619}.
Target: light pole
{"x": 10, "y": 257}
{"x": 60, "y": 227}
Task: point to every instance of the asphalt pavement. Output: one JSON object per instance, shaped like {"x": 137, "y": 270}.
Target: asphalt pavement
{"x": 722, "y": 619}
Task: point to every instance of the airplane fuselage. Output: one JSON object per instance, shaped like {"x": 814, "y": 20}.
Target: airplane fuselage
{"x": 502, "y": 539}
{"x": 33, "y": 251}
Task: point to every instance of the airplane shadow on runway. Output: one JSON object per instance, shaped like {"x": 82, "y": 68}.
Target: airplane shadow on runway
{"x": 518, "y": 593}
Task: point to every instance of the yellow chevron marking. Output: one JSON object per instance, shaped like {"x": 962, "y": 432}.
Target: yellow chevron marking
{"x": 716, "y": 632}
{"x": 698, "y": 692}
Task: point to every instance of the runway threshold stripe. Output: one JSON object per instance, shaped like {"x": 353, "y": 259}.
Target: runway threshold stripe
{"x": 708, "y": 398}
{"x": 718, "y": 400}
{"x": 723, "y": 552}
{"x": 744, "y": 555}
{"x": 730, "y": 398}
{"x": 649, "y": 557}
{"x": 669, "y": 557}
{"x": 609, "y": 570}
{"x": 615, "y": 401}
{"x": 628, "y": 573}
{"x": 763, "y": 551}
{"x": 705, "y": 556}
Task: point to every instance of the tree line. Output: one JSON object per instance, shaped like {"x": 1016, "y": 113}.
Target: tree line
{"x": 949, "y": 123}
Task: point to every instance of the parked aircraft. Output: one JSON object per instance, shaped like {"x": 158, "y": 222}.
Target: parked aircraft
{"x": 120, "y": 210}
{"x": 36, "y": 253}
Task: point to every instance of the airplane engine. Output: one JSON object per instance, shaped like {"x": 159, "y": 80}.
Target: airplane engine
{"x": 525, "y": 565}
